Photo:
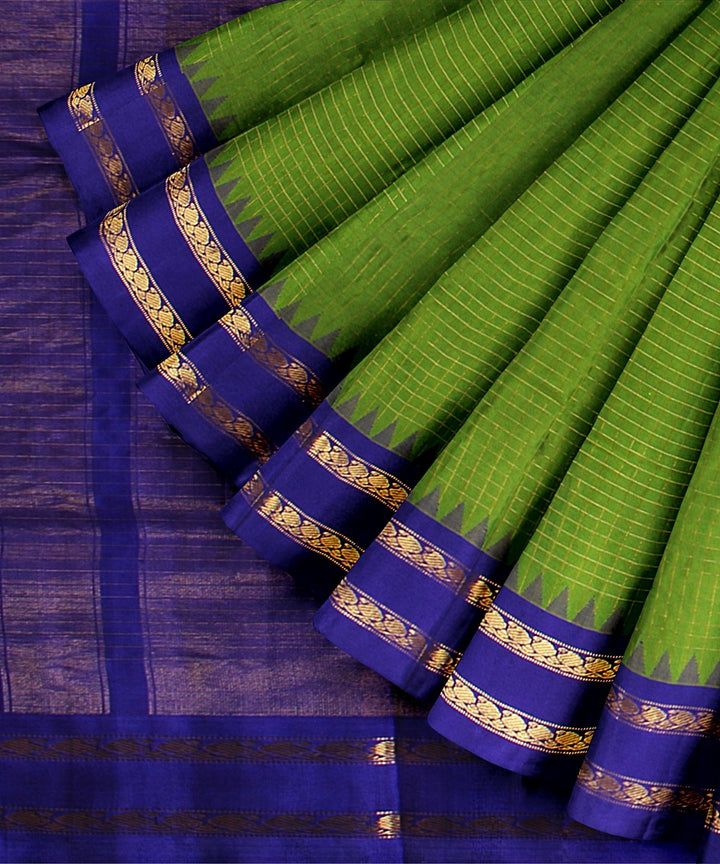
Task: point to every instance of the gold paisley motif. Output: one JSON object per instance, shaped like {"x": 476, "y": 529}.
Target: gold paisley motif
{"x": 432, "y": 562}
{"x": 245, "y": 331}
{"x": 660, "y": 717}
{"x": 133, "y": 273}
{"x": 511, "y": 723}
{"x": 351, "y": 469}
{"x": 641, "y": 794}
{"x": 551, "y": 654}
{"x": 150, "y": 83}
{"x": 368, "y": 613}
{"x": 373, "y": 751}
{"x": 187, "y": 379}
{"x": 201, "y": 239}
{"x": 89, "y": 122}
{"x": 298, "y": 526}
{"x": 712, "y": 823}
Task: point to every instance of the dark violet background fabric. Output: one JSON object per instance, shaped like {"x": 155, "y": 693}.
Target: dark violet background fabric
{"x": 164, "y": 694}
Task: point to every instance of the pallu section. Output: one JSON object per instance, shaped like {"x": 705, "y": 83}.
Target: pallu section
{"x": 122, "y": 135}
{"x": 410, "y": 604}
{"x": 651, "y": 772}
{"x": 239, "y": 390}
{"x": 528, "y": 691}
{"x": 320, "y": 500}
{"x": 167, "y": 264}
{"x": 327, "y": 789}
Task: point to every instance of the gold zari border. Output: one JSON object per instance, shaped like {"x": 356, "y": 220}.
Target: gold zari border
{"x": 133, "y": 273}
{"x": 201, "y": 240}
{"x": 432, "y": 562}
{"x": 89, "y": 122}
{"x": 187, "y": 379}
{"x": 343, "y": 464}
{"x": 658, "y": 717}
{"x": 245, "y": 331}
{"x": 365, "y": 611}
{"x": 298, "y": 526}
{"x": 540, "y": 649}
{"x": 641, "y": 794}
{"x": 170, "y": 119}
{"x": 512, "y": 724}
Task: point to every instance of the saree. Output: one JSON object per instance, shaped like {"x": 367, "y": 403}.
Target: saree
{"x": 438, "y": 295}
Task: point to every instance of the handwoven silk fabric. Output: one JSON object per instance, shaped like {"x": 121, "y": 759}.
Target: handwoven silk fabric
{"x": 437, "y": 293}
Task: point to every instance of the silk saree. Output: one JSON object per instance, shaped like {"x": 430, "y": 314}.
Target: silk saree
{"x": 437, "y": 292}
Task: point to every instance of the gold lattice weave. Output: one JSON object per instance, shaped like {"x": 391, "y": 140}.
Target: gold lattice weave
{"x": 136, "y": 277}
{"x": 542, "y": 650}
{"x": 425, "y": 557}
{"x": 197, "y": 232}
{"x": 150, "y": 82}
{"x": 88, "y": 120}
{"x": 298, "y": 526}
{"x": 661, "y": 717}
{"x": 245, "y": 331}
{"x": 371, "y": 615}
{"x": 641, "y": 794}
{"x": 512, "y": 724}
{"x": 187, "y": 379}
{"x": 349, "y": 468}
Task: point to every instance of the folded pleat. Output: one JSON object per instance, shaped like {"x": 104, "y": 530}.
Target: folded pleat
{"x": 348, "y": 290}
{"x": 653, "y": 766}
{"x": 591, "y": 561}
{"x": 289, "y": 181}
{"x": 395, "y": 409}
{"x": 495, "y": 478}
{"x": 120, "y": 135}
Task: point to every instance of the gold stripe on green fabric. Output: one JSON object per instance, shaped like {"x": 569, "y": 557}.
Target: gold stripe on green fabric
{"x": 373, "y": 616}
{"x": 432, "y": 562}
{"x": 187, "y": 379}
{"x": 291, "y": 521}
{"x": 349, "y": 468}
{"x": 170, "y": 118}
{"x": 89, "y": 122}
{"x": 660, "y": 717}
{"x": 239, "y": 324}
{"x": 202, "y": 241}
{"x": 132, "y": 271}
{"x": 543, "y": 650}
{"x": 641, "y": 794}
{"x": 512, "y": 724}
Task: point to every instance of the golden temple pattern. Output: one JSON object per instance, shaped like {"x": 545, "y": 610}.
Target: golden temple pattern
{"x": 427, "y": 558}
{"x": 133, "y": 273}
{"x": 540, "y": 649}
{"x": 351, "y": 469}
{"x": 298, "y": 526}
{"x": 84, "y": 110}
{"x": 641, "y": 794}
{"x": 512, "y": 724}
{"x": 150, "y": 83}
{"x": 659, "y": 717}
{"x": 201, "y": 240}
{"x": 242, "y": 327}
{"x": 368, "y": 613}
{"x": 187, "y": 379}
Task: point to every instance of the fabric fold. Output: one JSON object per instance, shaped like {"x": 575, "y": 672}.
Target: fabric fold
{"x": 120, "y": 135}
{"x": 288, "y": 181}
{"x": 591, "y": 562}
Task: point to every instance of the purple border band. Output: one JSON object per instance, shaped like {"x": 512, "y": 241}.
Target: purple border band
{"x": 183, "y": 281}
{"x": 321, "y": 495}
{"x": 531, "y": 688}
{"x": 134, "y": 127}
{"x": 245, "y": 385}
{"x": 437, "y": 608}
{"x": 639, "y": 739}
